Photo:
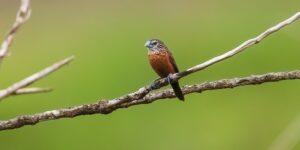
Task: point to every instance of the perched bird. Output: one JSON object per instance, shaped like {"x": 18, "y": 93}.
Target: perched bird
{"x": 163, "y": 63}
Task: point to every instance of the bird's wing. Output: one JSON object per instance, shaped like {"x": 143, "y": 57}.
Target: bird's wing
{"x": 172, "y": 60}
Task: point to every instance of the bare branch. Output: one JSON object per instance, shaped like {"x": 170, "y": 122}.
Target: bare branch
{"x": 241, "y": 47}
{"x": 22, "y": 16}
{"x": 142, "y": 96}
{"x": 163, "y": 82}
{"x": 108, "y": 106}
{"x": 219, "y": 84}
{"x": 32, "y": 90}
{"x": 17, "y": 88}
{"x": 29, "y": 80}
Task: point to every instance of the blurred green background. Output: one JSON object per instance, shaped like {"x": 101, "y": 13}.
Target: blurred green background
{"x": 107, "y": 38}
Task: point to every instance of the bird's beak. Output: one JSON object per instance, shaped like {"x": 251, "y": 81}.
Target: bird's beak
{"x": 148, "y": 44}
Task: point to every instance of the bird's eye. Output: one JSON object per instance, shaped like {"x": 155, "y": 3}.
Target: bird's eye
{"x": 154, "y": 43}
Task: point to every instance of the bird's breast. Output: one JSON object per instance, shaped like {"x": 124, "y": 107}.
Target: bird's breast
{"x": 161, "y": 64}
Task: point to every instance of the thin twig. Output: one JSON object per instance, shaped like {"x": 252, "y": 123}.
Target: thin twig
{"x": 31, "y": 90}
{"x": 29, "y": 80}
{"x": 17, "y": 89}
{"x": 108, "y": 106}
{"x": 241, "y": 47}
{"x": 22, "y": 16}
{"x": 163, "y": 82}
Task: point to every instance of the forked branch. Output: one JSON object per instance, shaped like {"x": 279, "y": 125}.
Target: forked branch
{"x": 17, "y": 87}
{"x": 142, "y": 95}
{"x": 22, "y": 16}
{"x": 20, "y": 87}
{"x": 163, "y": 82}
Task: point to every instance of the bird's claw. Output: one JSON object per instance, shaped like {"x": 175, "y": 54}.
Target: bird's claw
{"x": 154, "y": 85}
{"x": 170, "y": 78}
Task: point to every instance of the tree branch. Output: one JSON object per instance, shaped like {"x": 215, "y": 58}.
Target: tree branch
{"x": 31, "y": 90}
{"x": 18, "y": 88}
{"x": 219, "y": 84}
{"x": 241, "y": 47}
{"x": 22, "y": 16}
{"x": 108, "y": 106}
{"x": 163, "y": 82}
{"x": 142, "y": 96}
{"x": 234, "y": 51}
{"x": 13, "y": 89}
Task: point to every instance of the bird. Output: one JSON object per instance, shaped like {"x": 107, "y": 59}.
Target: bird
{"x": 163, "y": 63}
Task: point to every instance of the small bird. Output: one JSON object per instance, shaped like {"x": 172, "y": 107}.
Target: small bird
{"x": 163, "y": 63}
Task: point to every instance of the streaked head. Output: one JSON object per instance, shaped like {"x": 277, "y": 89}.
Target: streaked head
{"x": 155, "y": 45}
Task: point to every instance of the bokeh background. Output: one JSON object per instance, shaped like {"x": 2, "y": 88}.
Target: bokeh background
{"x": 107, "y": 38}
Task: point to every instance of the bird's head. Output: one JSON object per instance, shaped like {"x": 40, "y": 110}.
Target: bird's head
{"x": 155, "y": 45}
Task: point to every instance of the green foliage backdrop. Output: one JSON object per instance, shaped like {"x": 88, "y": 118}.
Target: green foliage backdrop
{"x": 107, "y": 38}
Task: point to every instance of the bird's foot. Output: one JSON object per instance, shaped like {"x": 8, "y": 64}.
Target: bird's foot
{"x": 154, "y": 85}
{"x": 170, "y": 78}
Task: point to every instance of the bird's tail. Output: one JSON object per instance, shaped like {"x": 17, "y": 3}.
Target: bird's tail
{"x": 177, "y": 90}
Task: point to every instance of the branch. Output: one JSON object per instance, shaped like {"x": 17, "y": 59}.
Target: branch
{"x": 163, "y": 82}
{"x": 32, "y": 90}
{"x": 18, "y": 88}
{"x": 13, "y": 89}
{"x": 241, "y": 47}
{"x": 22, "y": 16}
{"x": 219, "y": 84}
{"x": 141, "y": 97}
{"x": 234, "y": 51}
{"x": 108, "y": 106}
